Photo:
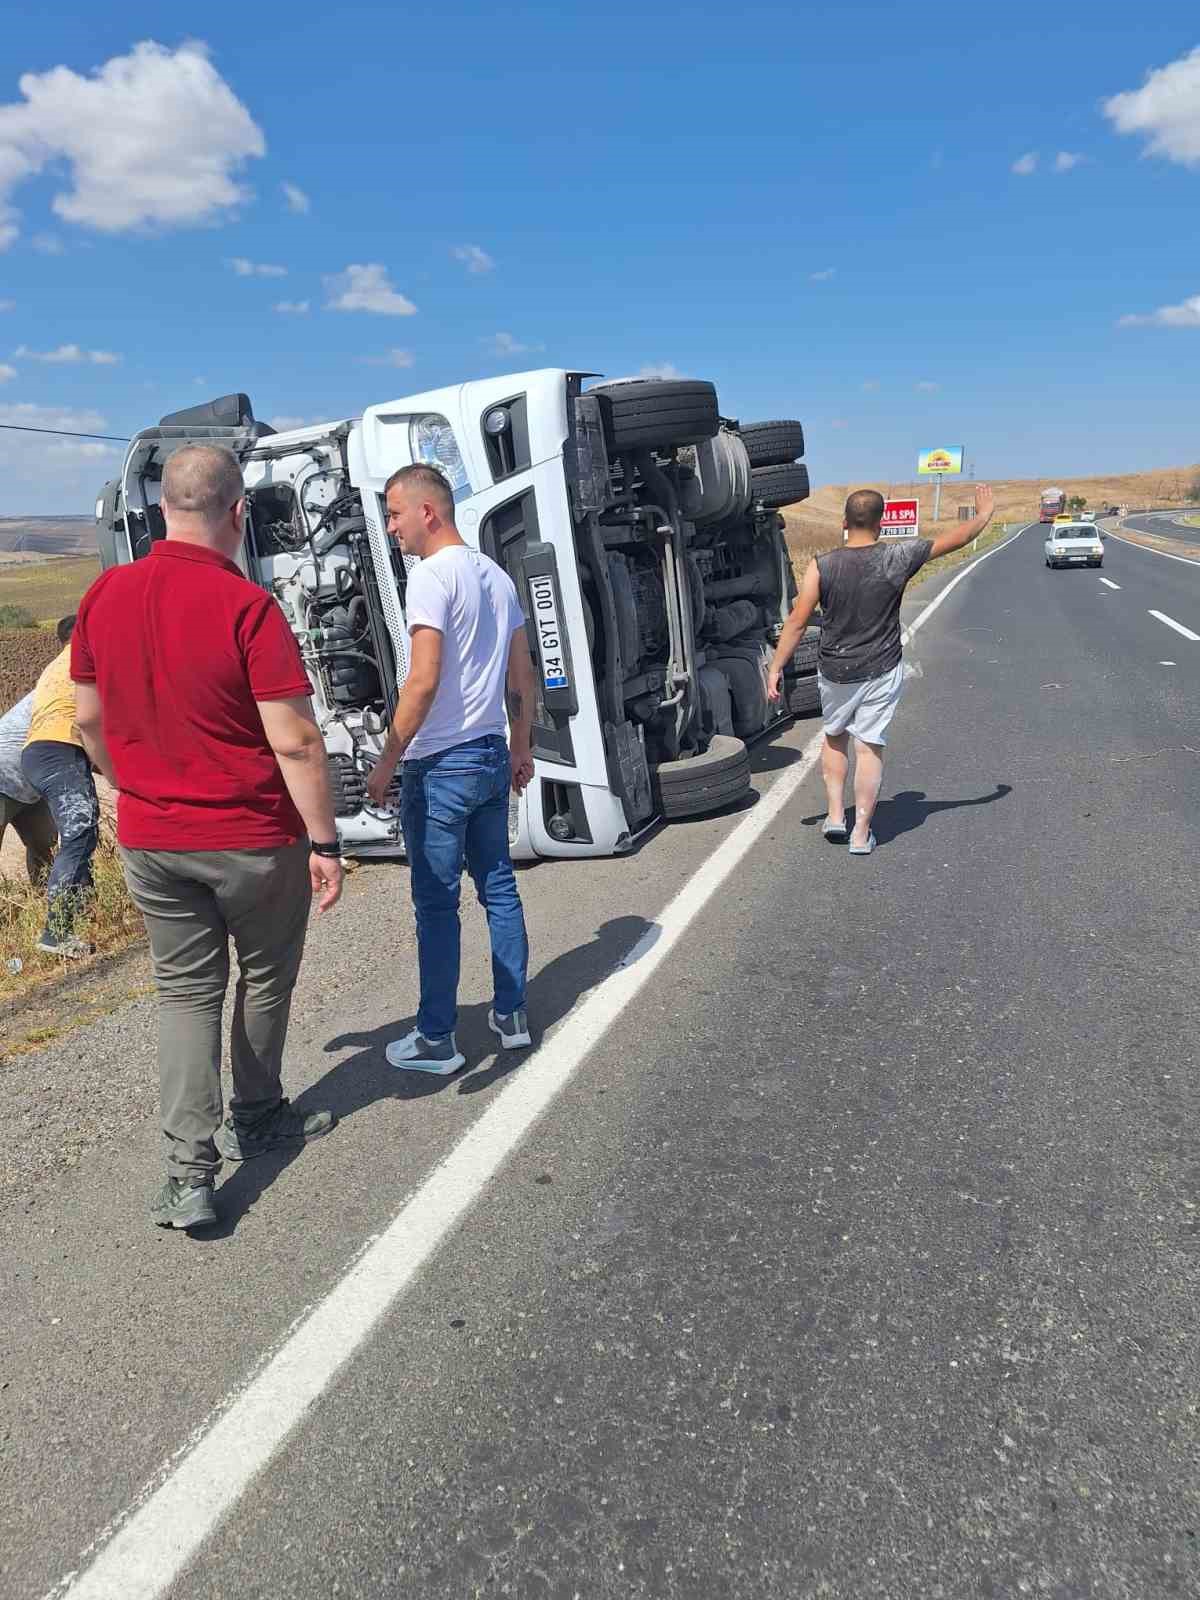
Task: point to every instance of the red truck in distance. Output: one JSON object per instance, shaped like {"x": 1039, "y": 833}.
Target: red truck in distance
{"x": 1053, "y": 504}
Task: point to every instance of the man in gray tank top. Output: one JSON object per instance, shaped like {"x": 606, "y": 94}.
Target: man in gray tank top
{"x": 860, "y": 667}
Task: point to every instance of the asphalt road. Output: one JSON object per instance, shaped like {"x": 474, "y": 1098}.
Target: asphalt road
{"x": 858, "y": 1258}
{"x": 1166, "y": 525}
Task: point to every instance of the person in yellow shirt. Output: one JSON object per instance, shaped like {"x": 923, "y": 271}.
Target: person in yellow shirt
{"x": 55, "y": 763}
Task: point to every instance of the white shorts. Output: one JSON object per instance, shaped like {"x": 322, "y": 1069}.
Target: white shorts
{"x": 863, "y": 709}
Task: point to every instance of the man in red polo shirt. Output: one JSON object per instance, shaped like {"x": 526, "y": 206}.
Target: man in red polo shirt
{"x": 193, "y": 701}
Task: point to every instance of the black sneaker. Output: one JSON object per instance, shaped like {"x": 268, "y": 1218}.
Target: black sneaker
{"x": 181, "y": 1205}
{"x": 280, "y": 1129}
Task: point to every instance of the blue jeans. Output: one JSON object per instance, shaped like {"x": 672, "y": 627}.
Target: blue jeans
{"x": 454, "y": 811}
{"x": 62, "y": 775}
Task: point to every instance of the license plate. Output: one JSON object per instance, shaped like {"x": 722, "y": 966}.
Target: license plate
{"x": 553, "y": 657}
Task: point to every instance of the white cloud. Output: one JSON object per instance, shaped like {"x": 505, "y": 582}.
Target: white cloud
{"x": 152, "y": 138}
{"x": 925, "y": 387}
{"x": 823, "y": 276}
{"x": 1066, "y": 159}
{"x": 296, "y": 199}
{"x": 1184, "y": 315}
{"x": 474, "y": 259}
{"x": 870, "y": 385}
{"x": 654, "y": 369}
{"x": 256, "y": 269}
{"x": 366, "y": 288}
{"x": 287, "y": 424}
{"x": 48, "y": 244}
{"x": 7, "y": 373}
{"x": 43, "y": 475}
{"x": 293, "y": 308}
{"x": 1026, "y": 164}
{"x": 503, "y": 344}
{"x": 8, "y": 305}
{"x": 390, "y": 358}
{"x": 839, "y": 422}
{"x": 68, "y": 355}
{"x": 1165, "y": 110}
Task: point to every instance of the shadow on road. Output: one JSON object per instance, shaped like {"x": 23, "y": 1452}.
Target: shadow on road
{"x": 359, "y": 1080}
{"x": 909, "y": 809}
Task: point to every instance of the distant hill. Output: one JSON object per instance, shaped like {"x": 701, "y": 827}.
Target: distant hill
{"x": 48, "y": 536}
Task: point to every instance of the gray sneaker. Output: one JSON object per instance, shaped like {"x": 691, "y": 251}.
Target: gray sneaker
{"x": 68, "y": 945}
{"x": 281, "y": 1129}
{"x": 181, "y": 1205}
{"x": 513, "y": 1029}
{"x": 416, "y": 1053}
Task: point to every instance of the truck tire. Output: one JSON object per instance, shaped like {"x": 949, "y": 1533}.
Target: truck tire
{"x": 805, "y": 697}
{"x": 780, "y": 486}
{"x": 703, "y": 783}
{"x": 772, "y": 444}
{"x": 656, "y": 413}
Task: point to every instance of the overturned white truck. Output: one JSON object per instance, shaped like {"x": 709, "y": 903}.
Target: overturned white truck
{"x": 642, "y": 531}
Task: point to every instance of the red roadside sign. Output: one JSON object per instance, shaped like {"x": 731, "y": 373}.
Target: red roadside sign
{"x": 901, "y": 519}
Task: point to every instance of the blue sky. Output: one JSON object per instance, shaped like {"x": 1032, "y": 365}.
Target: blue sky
{"x": 817, "y": 208}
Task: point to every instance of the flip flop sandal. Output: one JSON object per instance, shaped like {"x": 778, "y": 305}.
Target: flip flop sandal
{"x": 863, "y": 849}
{"x": 835, "y": 830}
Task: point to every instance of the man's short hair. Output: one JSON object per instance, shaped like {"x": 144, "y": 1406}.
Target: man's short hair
{"x": 426, "y": 480}
{"x": 864, "y": 509}
{"x": 202, "y": 480}
{"x": 64, "y": 628}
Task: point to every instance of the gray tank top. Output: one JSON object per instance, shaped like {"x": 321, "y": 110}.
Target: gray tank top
{"x": 861, "y": 590}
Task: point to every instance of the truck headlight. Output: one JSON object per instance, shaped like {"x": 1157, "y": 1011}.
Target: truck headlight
{"x": 431, "y": 439}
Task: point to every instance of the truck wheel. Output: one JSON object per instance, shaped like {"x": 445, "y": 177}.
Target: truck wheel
{"x": 779, "y": 486}
{"x": 656, "y": 413}
{"x": 772, "y": 444}
{"x": 703, "y": 783}
{"x": 805, "y": 697}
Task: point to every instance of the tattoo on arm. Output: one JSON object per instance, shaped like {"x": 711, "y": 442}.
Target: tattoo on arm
{"x": 516, "y": 704}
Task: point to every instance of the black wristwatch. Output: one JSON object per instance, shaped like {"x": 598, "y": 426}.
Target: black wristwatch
{"x": 333, "y": 851}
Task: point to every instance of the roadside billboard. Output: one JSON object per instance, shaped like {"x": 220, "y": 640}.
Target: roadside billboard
{"x": 901, "y": 519}
{"x": 947, "y": 458}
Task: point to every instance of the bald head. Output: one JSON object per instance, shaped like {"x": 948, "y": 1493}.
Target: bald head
{"x": 201, "y": 484}
{"x": 864, "y": 511}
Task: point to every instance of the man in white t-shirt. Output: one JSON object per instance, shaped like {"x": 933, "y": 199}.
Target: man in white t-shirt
{"x": 469, "y": 656}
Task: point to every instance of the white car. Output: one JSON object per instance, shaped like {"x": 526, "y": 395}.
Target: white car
{"x": 1074, "y": 544}
{"x": 641, "y": 528}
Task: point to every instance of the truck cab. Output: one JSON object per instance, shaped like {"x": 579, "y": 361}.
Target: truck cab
{"x": 640, "y": 527}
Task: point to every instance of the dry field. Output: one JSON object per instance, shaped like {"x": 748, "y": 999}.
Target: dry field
{"x": 47, "y": 589}
{"x": 23, "y": 654}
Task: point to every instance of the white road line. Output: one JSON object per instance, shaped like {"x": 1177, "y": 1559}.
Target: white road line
{"x": 1150, "y": 550}
{"x": 1110, "y": 583}
{"x": 143, "y": 1550}
{"x": 1178, "y": 626}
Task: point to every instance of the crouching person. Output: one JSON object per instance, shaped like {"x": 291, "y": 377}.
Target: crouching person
{"x": 56, "y": 764}
{"x": 193, "y": 702}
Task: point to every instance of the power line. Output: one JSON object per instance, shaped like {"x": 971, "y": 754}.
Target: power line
{"x": 64, "y": 433}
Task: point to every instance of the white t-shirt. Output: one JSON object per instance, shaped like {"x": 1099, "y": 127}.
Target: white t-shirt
{"x": 473, "y": 605}
{"x": 14, "y": 730}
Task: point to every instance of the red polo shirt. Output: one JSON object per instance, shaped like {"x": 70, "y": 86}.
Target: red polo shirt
{"x": 180, "y": 646}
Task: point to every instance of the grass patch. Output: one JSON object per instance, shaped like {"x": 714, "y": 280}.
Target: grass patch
{"x": 50, "y": 589}
{"x": 112, "y": 924}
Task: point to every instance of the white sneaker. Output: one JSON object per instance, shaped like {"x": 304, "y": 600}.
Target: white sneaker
{"x": 416, "y": 1053}
{"x": 513, "y": 1029}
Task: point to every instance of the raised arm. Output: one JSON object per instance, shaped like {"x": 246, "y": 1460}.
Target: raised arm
{"x": 793, "y": 629}
{"x": 985, "y": 504}
{"x": 518, "y": 697}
